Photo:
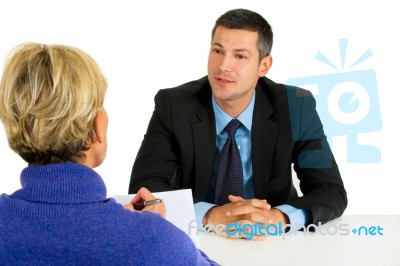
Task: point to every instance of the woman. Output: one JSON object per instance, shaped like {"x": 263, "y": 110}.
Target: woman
{"x": 51, "y": 104}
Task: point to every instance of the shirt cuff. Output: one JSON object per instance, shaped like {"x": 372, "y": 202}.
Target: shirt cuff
{"x": 200, "y": 209}
{"x": 297, "y": 217}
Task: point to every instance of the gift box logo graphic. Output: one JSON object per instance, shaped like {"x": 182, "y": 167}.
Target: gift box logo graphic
{"x": 347, "y": 103}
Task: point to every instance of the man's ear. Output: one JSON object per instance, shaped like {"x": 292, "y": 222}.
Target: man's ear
{"x": 265, "y": 65}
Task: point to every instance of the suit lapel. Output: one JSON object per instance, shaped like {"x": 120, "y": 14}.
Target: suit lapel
{"x": 204, "y": 138}
{"x": 264, "y": 136}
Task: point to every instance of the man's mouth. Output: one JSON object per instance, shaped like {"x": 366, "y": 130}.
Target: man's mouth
{"x": 224, "y": 80}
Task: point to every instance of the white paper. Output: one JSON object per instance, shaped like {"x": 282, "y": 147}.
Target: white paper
{"x": 180, "y": 210}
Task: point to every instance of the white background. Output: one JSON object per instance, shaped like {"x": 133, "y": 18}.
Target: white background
{"x": 145, "y": 46}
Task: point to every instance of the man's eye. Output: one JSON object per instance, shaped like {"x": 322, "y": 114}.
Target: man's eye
{"x": 239, "y": 56}
{"x": 217, "y": 51}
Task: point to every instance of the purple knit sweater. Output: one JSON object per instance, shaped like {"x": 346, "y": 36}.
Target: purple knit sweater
{"x": 61, "y": 216}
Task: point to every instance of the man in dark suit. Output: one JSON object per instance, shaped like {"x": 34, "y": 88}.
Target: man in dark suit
{"x": 279, "y": 127}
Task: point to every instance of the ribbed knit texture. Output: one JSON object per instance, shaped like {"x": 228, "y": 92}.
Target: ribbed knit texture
{"x": 61, "y": 216}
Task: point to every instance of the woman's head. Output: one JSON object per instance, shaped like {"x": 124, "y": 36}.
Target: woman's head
{"x": 49, "y": 98}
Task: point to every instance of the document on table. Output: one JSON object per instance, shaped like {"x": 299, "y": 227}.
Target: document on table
{"x": 180, "y": 210}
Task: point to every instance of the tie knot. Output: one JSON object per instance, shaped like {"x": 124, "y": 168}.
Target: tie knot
{"x": 232, "y": 126}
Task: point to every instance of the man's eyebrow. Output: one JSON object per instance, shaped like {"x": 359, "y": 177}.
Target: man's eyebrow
{"x": 235, "y": 50}
{"x": 242, "y": 50}
{"x": 217, "y": 44}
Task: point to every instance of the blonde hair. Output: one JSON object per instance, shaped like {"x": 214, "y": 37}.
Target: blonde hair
{"x": 49, "y": 97}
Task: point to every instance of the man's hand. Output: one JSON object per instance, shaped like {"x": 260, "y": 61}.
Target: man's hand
{"x": 243, "y": 211}
{"x": 143, "y": 195}
{"x": 252, "y": 210}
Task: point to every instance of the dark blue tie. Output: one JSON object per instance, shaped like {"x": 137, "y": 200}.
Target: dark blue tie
{"x": 229, "y": 172}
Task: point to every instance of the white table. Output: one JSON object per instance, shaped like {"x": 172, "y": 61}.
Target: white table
{"x": 339, "y": 246}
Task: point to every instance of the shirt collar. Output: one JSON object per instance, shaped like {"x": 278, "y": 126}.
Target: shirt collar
{"x": 222, "y": 118}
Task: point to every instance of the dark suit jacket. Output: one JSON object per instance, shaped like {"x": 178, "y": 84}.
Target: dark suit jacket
{"x": 178, "y": 149}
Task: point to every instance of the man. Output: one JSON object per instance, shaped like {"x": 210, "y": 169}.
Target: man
{"x": 278, "y": 127}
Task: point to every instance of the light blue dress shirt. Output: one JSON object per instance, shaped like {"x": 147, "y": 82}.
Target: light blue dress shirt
{"x": 243, "y": 140}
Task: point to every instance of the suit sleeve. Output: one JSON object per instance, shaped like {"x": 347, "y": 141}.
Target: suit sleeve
{"x": 155, "y": 162}
{"x": 323, "y": 191}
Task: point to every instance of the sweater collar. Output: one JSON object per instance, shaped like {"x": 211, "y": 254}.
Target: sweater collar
{"x": 61, "y": 183}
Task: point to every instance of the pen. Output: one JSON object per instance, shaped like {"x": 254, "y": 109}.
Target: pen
{"x": 145, "y": 203}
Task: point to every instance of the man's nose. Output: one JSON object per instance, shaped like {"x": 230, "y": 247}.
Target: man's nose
{"x": 226, "y": 63}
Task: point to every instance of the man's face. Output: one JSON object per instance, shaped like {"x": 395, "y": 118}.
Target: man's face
{"x": 234, "y": 67}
